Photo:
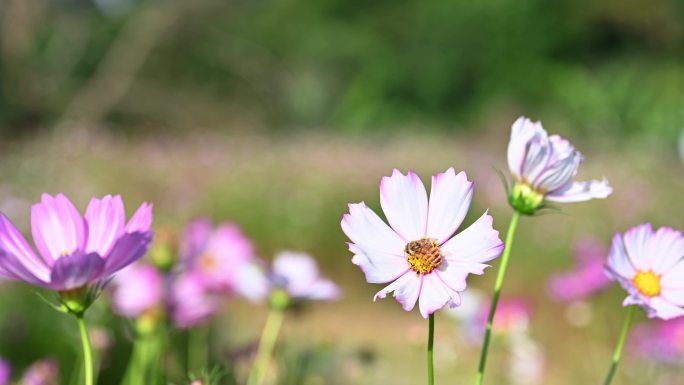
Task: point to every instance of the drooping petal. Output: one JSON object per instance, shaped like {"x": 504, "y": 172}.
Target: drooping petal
{"x": 18, "y": 251}
{"x": 450, "y": 198}
{"x": 454, "y": 273}
{"x": 637, "y": 244}
{"x": 58, "y": 229}
{"x": 406, "y": 290}
{"x": 434, "y": 295}
{"x": 666, "y": 248}
{"x": 369, "y": 232}
{"x": 141, "y": 221}
{"x": 76, "y": 270}
{"x": 404, "y": 200}
{"x": 379, "y": 267}
{"x": 478, "y": 243}
{"x": 581, "y": 191}
{"x": 664, "y": 310}
{"x": 619, "y": 265}
{"x": 105, "y": 218}
{"x": 128, "y": 249}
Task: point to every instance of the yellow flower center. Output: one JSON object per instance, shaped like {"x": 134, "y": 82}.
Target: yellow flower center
{"x": 208, "y": 262}
{"x": 423, "y": 255}
{"x": 648, "y": 283}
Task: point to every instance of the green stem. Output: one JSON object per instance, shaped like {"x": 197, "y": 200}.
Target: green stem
{"x": 620, "y": 345}
{"x": 431, "y": 339}
{"x": 266, "y": 346}
{"x": 87, "y": 350}
{"x": 198, "y": 350}
{"x": 497, "y": 292}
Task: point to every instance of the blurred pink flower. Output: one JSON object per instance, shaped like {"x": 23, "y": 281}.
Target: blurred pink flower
{"x": 191, "y": 301}
{"x": 660, "y": 340}
{"x": 43, "y": 372}
{"x": 298, "y": 275}
{"x": 650, "y": 266}
{"x": 216, "y": 253}
{"x": 75, "y": 251}
{"x": 418, "y": 254}
{"x": 512, "y": 314}
{"x": 544, "y": 167}
{"x": 588, "y": 276}
{"x": 137, "y": 289}
{"x": 5, "y": 372}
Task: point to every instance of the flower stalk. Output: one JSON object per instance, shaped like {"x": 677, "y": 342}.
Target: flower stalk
{"x": 620, "y": 345}
{"x": 431, "y": 339}
{"x": 87, "y": 350}
{"x": 497, "y": 293}
{"x": 279, "y": 303}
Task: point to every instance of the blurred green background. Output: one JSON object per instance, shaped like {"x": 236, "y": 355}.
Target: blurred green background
{"x": 277, "y": 113}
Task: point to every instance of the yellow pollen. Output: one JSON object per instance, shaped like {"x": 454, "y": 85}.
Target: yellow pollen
{"x": 648, "y": 283}
{"x": 423, "y": 255}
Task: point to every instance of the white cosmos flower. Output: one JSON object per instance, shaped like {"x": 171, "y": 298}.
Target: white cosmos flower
{"x": 418, "y": 254}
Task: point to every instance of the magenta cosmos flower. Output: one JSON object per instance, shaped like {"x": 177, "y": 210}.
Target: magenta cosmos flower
{"x": 297, "y": 274}
{"x": 650, "y": 266}
{"x": 544, "y": 167}
{"x": 588, "y": 276}
{"x": 191, "y": 300}
{"x": 43, "y": 372}
{"x": 661, "y": 340}
{"x": 75, "y": 251}
{"x": 138, "y": 289}
{"x": 418, "y": 254}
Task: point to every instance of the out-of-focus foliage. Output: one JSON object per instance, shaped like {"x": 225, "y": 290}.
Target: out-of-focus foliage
{"x": 610, "y": 65}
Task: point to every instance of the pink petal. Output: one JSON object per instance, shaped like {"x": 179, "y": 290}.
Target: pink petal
{"x": 76, "y": 270}
{"x": 581, "y": 191}
{"x": 58, "y": 229}
{"x": 19, "y": 254}
{"x": 128, "y": 249}
{"x": 406, "y": 290}
{"x": 450, "y": 198}
{"x": 379, "y": 267}
{"x": 137, "y": 289}
{"x": 478, "y": 243}
{"x": 194, "y": 240}
{"x": 369, "y": 232}
{"x": 141, "y": 221}
{"x": 105, "y": 219}
{"x": 434, "y": 295}
{"x": 404, "y": 200}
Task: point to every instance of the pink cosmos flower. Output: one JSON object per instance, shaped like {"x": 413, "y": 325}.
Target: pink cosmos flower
{"x": 544, "y": 168}
{"x": 75, "y": 251}
{"x": 650, "y": 266}
{"x": 5, "y": 372}
{"x": 661, "y": 340}
{"x": 418, "y": 254}
{"x": 216, "y": 253}
{"x": 137, "y": 289}
{"x": 298, "y": 275}
{"x": 191, "y": 301}
{"x": 43, "y": 372}
{"x": 587, "y": 278}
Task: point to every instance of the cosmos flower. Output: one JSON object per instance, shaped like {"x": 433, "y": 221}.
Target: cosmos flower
{"x": 137, "y": 289}
{"x": 43, "y": 372}
{"x": 218, "y": 254}
{"x": 191, "y": 301}
{"x": 297, "y": 274}
{"x": 650, "y": 266}
{"x": 588, "y": 276}
{"x": 5, "y": 372}
{"x": 660, "y": 340}
{"x": 75, "y": 251}
{"x": 418, "y": 254}
{"x": 544, "y": 167}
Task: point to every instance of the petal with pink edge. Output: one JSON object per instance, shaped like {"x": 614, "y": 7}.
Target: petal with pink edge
{"x": 378, "y": 267}
{"x": 76, "y": 270}
{"x": 13, "y": 268}
{"x": 478, "y": 243}
{"x": 522, "y": 132}
{"x": 404, "y": 200}
{"x": 434, "y": 295}
{"x": 106, "y": 218}
{"x": 667, "y": 249}
{"x": 637, "y": 244}
{"x": 450, "y": 198}
{"x": 128, "y": 249}
{"x": 581, "y": 191}
{"x": 619, "y": 265}
{"x": 58, "y": 229}
{"x": 406, "y": 290}
{"x": 141, "y": 221}
{"x": 18, "y": 251}
{"x": 369, "y": 232}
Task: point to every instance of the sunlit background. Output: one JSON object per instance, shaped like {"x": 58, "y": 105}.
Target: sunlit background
{"x": 275, "y": 114}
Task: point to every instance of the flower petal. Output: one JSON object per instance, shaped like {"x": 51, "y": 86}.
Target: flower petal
{"x": 18, "y": 251}
{"x": 666, "y": 249}
{"x": 297, "y": 271}
{"x": 369, "y": 232}
{"x": 581, "y": 191}
{"x": 674, "y": 277}
{"x": 619, "y": 265}
{"x": 450, "y": 198}
{"x": 194, "y": 240}
{"x": 454, "y": 273}
{"x": 673, "y": 295}
{"x": 76, "y": 270}
{"x": 522, "y": 131}
{"x": 12, "y": 267}
{"x": 406, "y": 290}
{"x": 379, "y": 267}
{"x": 128, "y": 249}
{"x": 58, "y": 229}
{"x": 558, "y": 173}
{"x": 252, "y": 282}
{"x": 478, "y": 243}
{"x": 637, "y": 244}
{"x": 663, "y": 309}
{"x": 105, "y": 219}
{"x": 538, "y": 154}
{"x": 434, "y": 295}
{"x": 404, "y": 200}
{"x": 141, "y": 221}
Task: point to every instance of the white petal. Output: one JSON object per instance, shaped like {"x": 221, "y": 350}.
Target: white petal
{"x": 581, "y": 191}
{"x": 478, "y": 243}
{"x": 674, "y": 277}
{"x": 379, "y": 267}
{"x": 637, "y": 244}
{"x": 369, "y": 232}
{"x": 450, "y": 198}
{"x": 522, "y": 131}
{"x": 666, "y": 249}
{"x": 559, "y": 173}
{"x": 664, "y": 310}
{"x": 674, "y": 296}
{"x": 404, "y": 201}
{"x": 454, "y": 274}
{"x": 406, "y": 290}
{"x": 434, "y": 295}
{"x": 619, "y": 265}
{"x": 538, "y": 154}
